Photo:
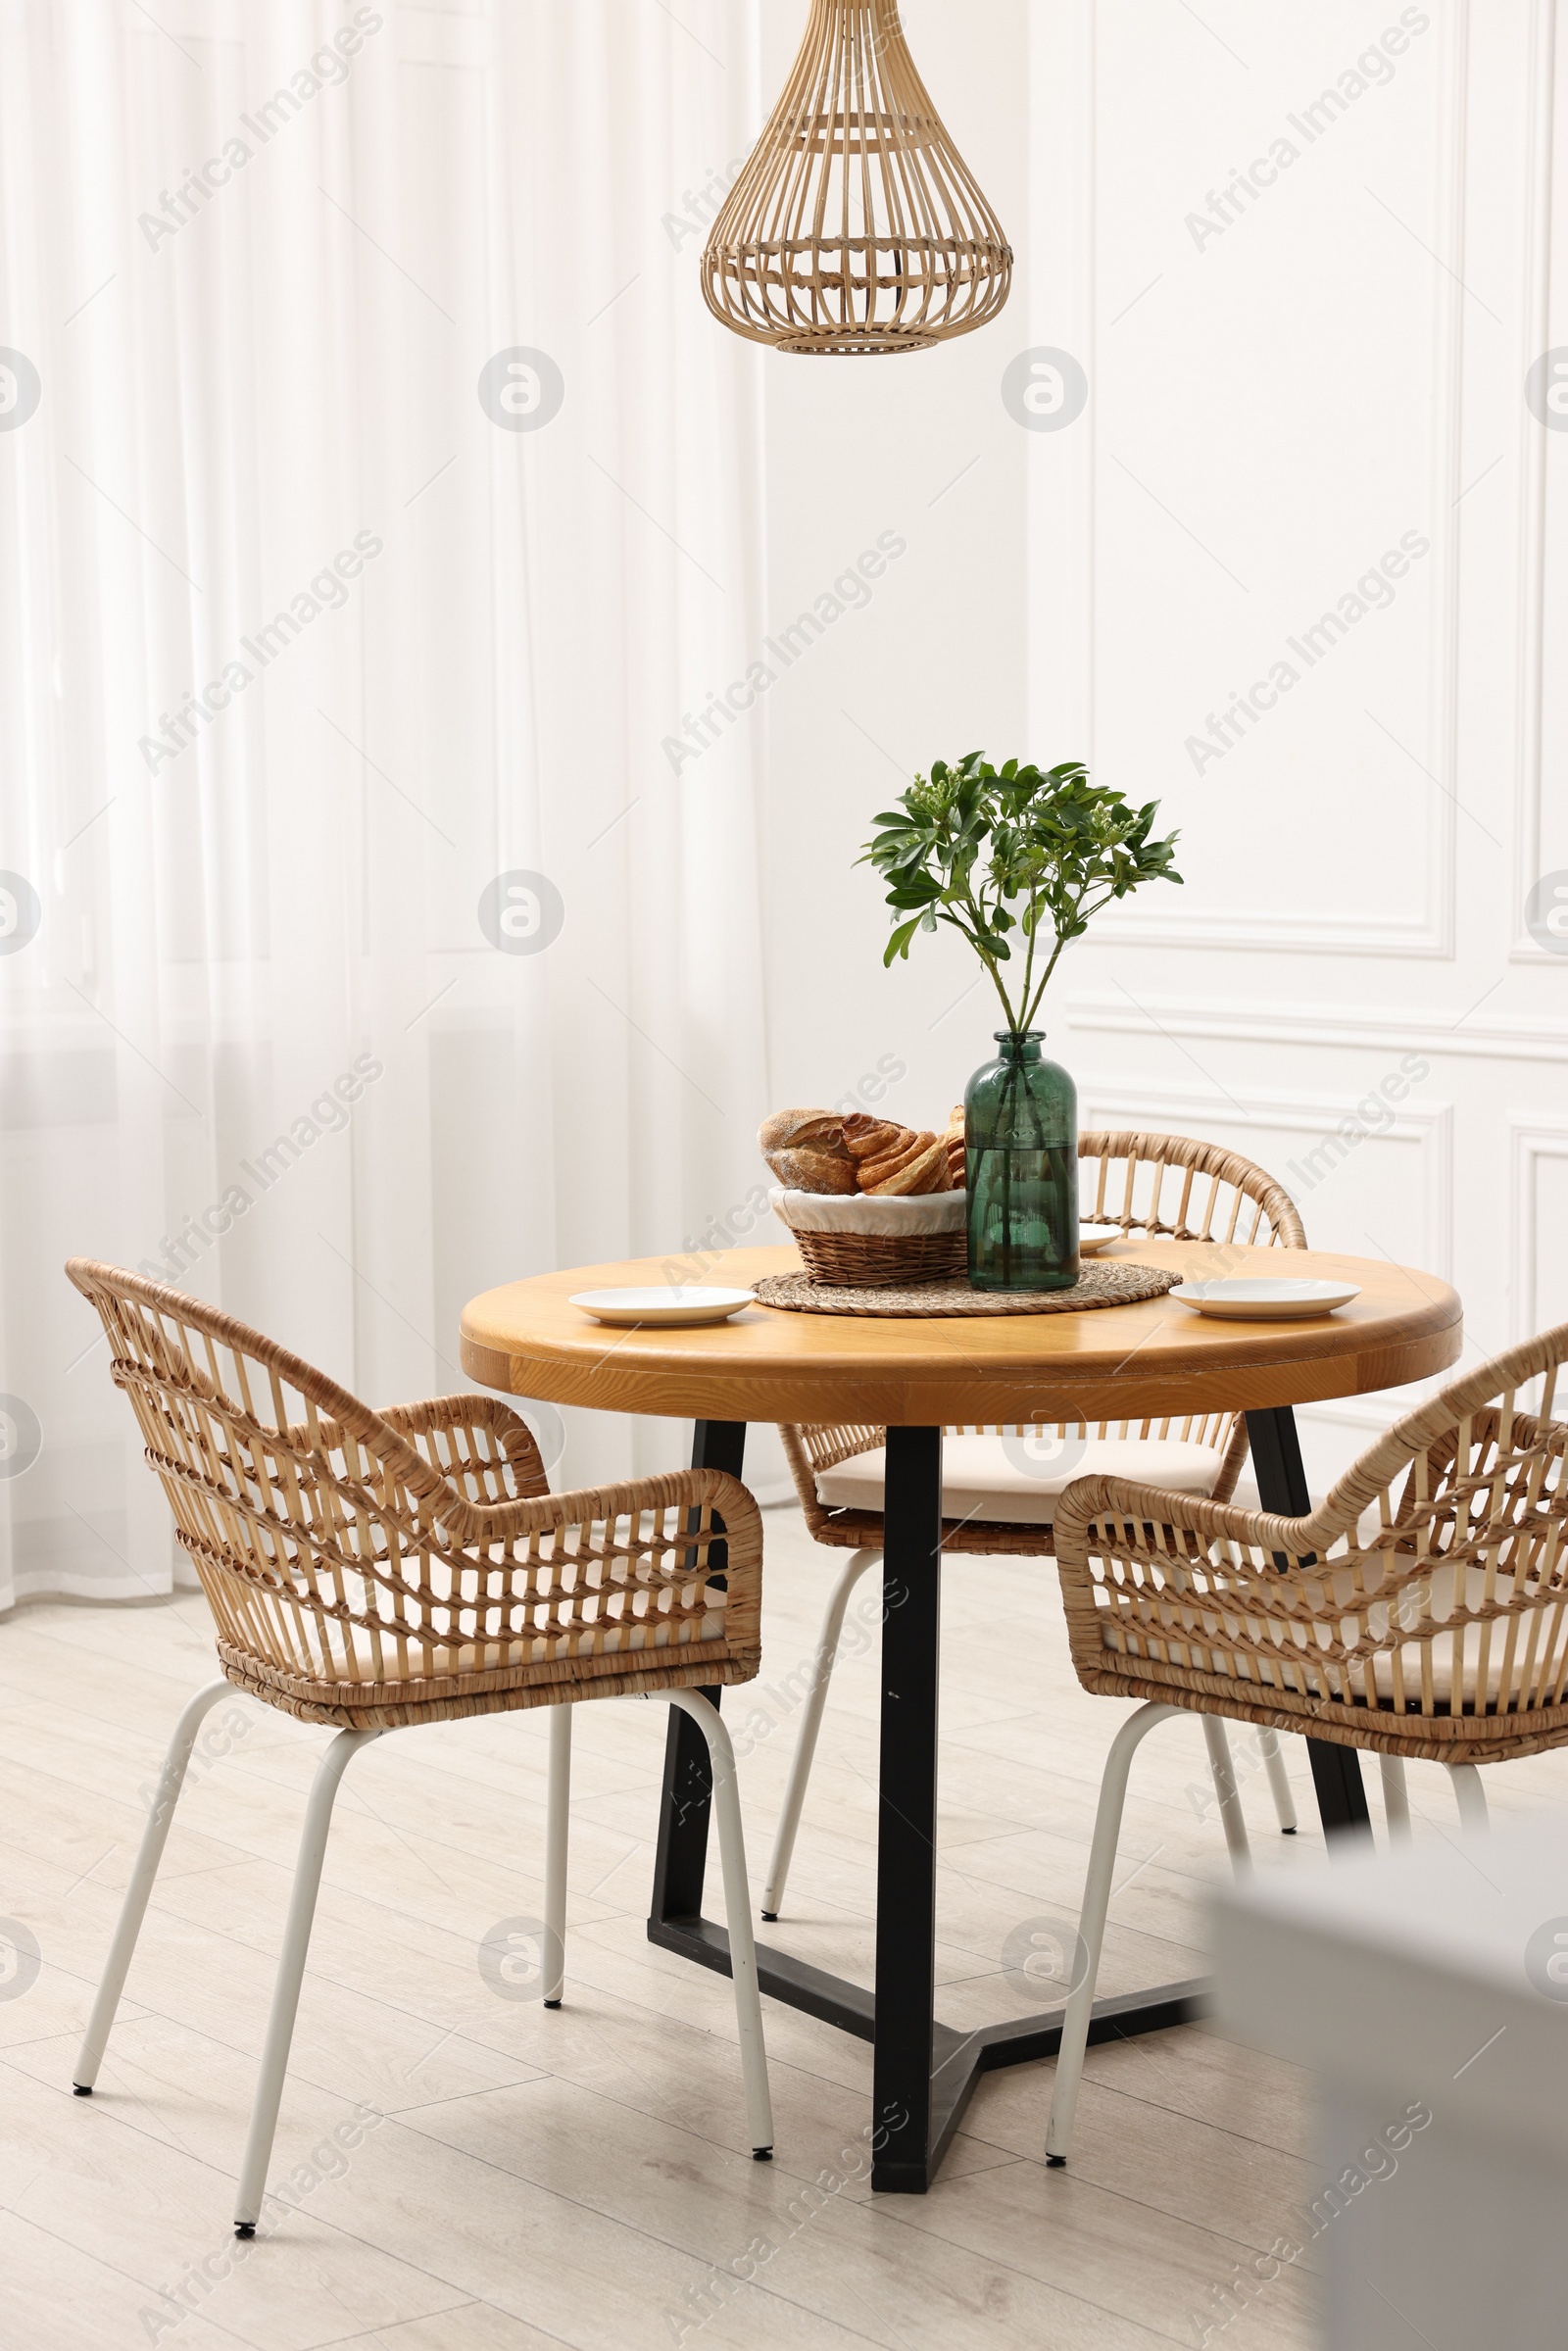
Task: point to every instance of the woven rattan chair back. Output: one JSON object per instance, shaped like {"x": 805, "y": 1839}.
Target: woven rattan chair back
{"x": 370, "y": 1568}
{"x": 1174, "y": 1188}
{"x": 1171, "y": 1186}
{"x": 1421, "y": 1609}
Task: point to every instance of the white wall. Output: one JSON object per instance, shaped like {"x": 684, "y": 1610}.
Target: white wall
{"x": 1270, "y": 408}
{"x": 934, "y": 664}
{"x": 1273, "y": 406}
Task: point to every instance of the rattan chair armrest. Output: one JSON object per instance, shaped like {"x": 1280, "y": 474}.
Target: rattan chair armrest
{"x": 800, "y": 1466}
{"x": 445, "y": 1415}
{"x": 473, "y": 1410}
{"x": 475, "y": 1526}
{"x": 689, "y": 1492}
{"x": 809, "y": 1455}
{"x": 1376, "y": 1473}
{"x": 1088, "y": 1500}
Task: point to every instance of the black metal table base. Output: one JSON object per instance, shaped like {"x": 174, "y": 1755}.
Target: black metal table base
{"x": 958, "y": 2058}
{"x": 925, "y": 2071}
{"x": 1282, "y": 1487}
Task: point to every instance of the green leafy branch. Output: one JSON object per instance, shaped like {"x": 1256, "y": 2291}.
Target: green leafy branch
{"x": 1012, "y": 858}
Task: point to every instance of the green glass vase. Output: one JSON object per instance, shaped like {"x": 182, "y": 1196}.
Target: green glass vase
{"x": 1021, "y": 1135}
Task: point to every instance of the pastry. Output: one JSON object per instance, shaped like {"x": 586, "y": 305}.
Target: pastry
{"x": 906, "y": 1144}
{"x": 806, "y": 1150}
{"x": 868, "y": 1137}
{"x": 921, "y": 1167}
{"x": 818, "y": 1151}
{"x": 953, "y": 1141}
{"x": 807, "y": 1169}
{"x": 787, "y": 1129}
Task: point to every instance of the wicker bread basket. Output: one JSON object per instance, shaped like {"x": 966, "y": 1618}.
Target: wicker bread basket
{"x": 860, "y": 1244}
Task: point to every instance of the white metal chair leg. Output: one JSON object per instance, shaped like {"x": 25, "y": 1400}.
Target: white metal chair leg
{"x": 1092, "y": 1925}
{"x": 737, "y": 1916}
{"x": 290, "y": 1973}
{"x": 555, "y": 1838}
{"x": 1471, "y": 1799}
{"x": 1396, "y": 1797}
{"x": 811, "y": 1724}
{"x": 1228, "y": 1793}
{"x": 1268, "y": 1746}
{"x": 134, "y": 1909}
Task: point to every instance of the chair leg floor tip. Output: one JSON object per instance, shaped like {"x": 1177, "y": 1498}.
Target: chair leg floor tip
{"x": 81, "y": 2089}
{"x": 762, "y": 2155}
{"x": 1055, "y": 2163}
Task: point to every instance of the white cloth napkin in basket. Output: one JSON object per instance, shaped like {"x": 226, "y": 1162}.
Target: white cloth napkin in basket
{"x": 853, "y": 1212}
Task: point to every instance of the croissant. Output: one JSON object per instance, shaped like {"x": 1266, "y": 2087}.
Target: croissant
{"x": 906, "y": 1145}
{"x": 920, "y": 1167}
{"x": 954, "y": 1141}
{"x": 868, "y": 1137}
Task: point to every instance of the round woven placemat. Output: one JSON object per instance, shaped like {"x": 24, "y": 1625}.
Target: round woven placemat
{"x": 1117, "y": 1285}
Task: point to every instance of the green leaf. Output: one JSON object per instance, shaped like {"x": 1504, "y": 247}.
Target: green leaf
{"x": 989, "y": 851}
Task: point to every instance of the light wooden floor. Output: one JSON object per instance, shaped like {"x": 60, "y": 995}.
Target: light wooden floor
{"x": 583, "y": 2178}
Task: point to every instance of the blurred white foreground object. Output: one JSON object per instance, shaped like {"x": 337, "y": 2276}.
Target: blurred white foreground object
{"x": 1428, "y": 1991}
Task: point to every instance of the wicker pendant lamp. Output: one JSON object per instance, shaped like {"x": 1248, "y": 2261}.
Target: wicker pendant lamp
{"x": 856, "y": 226}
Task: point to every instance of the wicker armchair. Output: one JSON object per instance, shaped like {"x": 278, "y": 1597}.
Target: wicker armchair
{"x": 999, "y": 1485}
{"x": 1173, "y": 1188}
{"x": 1436, "y": 1628}
{"x": 373, "y": 1570}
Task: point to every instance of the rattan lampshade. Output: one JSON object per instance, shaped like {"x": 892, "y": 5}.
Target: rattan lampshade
{"x": 857, "y": 225}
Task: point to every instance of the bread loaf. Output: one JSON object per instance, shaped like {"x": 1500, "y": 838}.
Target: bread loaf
{"x": 805, "y": 1149}
{"x": 787, "y": 1129}
{"x": 818, "y": 1151}
{"x": 806, "y": 1169}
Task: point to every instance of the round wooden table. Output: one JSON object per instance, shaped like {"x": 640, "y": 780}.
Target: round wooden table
{"x": 914, "y": 1376}
{"x": 1118, "y": 1362}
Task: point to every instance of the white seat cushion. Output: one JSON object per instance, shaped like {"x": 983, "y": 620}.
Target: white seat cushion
{"x": 1015, "y": 1480}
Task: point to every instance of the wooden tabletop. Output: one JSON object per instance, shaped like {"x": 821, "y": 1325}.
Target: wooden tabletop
{"x": 1118, "y": 1362}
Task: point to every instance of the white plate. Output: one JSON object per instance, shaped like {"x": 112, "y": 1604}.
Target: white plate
{"x": 1093, "y": 1237}
{"x": 691, "y": 1305}
{"x": 1265, "y": 1300}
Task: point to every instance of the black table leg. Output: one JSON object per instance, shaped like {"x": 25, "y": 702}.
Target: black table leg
{"x": 924, "y": 2070}
{"x": 1341, "y": 1790}
{"x": 1282, "y": 1488}
{"x": 906, "y": 1811}
{"x": 681, "y": 1862}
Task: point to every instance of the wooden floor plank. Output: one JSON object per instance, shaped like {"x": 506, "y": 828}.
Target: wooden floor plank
{"x": 583, "y": 2177}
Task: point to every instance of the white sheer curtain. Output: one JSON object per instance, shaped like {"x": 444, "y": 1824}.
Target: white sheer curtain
{"x": 320, "y": 625}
